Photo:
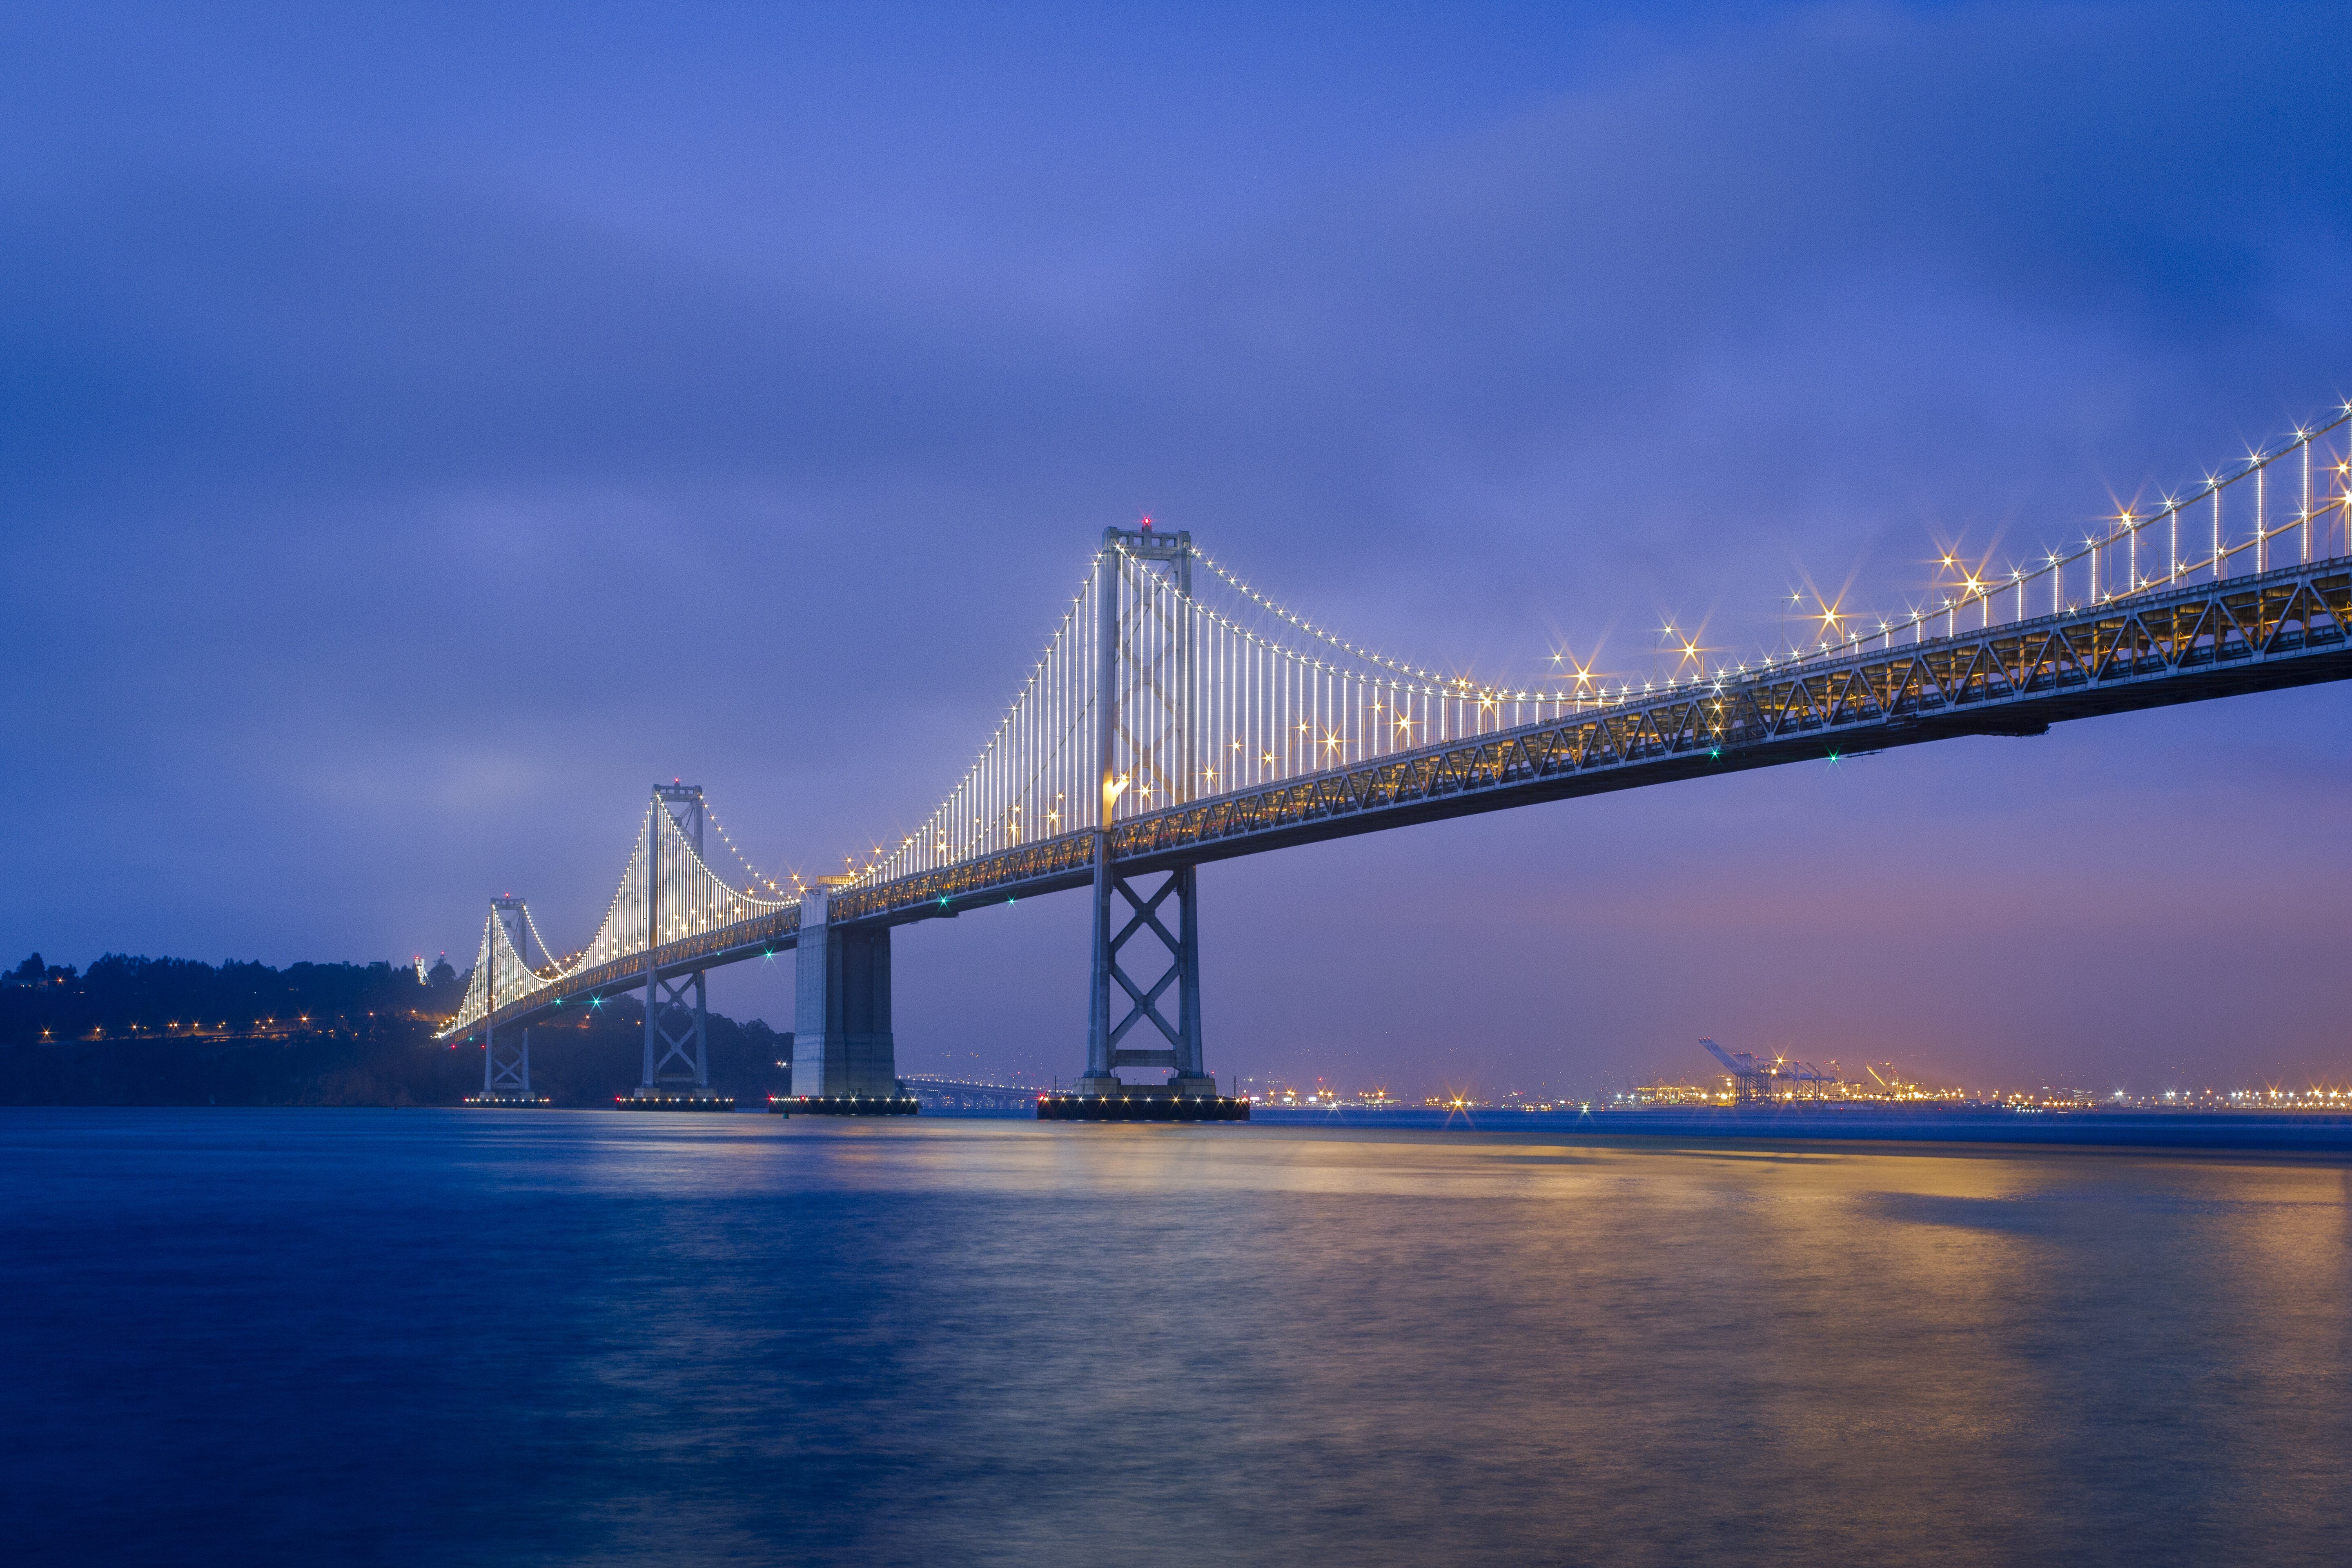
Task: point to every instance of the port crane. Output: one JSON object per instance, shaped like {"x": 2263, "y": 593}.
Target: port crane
{"x": 1756, "y": 1079}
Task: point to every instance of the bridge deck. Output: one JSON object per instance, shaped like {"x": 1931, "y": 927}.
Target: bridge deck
{"x": 2153, "y": 648}
{"x": 2286, "y": 627}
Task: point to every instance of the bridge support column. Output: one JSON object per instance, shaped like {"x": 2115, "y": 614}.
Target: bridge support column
{"x": 505, "y": 1072}
{"x": 677, "y": 1056}
{"x": 1120, "y": 1003}
{"x": 1099, "y": 1078}
{"x": 842, "y": 1049}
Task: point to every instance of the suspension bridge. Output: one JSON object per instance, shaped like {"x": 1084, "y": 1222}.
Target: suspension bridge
{"x": 1180, "y": 715}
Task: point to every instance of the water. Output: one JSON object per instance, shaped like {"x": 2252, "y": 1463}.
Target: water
{"x": 419, "y": 1337}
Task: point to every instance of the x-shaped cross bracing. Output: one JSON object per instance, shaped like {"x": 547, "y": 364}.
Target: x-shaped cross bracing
{"x": 685, "y": 1046}
{"x": 508, "y": 1066}
{"x": 1146, "y": 1003}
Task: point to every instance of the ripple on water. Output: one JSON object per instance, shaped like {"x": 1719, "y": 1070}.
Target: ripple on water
{"x": 407, "y": 1337}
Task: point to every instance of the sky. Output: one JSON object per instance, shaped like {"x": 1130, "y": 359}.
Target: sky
{"x": 421, "y": 429}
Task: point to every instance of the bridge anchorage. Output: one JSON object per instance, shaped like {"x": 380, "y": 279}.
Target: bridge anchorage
{"x": 1179, "y": 716}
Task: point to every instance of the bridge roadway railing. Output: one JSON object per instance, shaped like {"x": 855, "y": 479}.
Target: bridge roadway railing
{"x": 2154, "y": 648}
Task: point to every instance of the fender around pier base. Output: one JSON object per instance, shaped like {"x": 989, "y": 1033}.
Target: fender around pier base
{"x": 640, "y": 1099}
{"x": 842, "y": 1105}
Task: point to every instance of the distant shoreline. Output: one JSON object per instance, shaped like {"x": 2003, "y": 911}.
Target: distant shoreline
{"x": 2220, "y": 1131}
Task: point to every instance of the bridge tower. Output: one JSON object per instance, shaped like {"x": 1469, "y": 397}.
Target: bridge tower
{"x": 844, "y": 1056}
{"x": 505, "y": 1073}
{"x": 1145, "y": 698}
{"x": 678, "y": 1058}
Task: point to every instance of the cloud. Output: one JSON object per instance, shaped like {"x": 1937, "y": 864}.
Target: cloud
{"x": 413, "y": 450}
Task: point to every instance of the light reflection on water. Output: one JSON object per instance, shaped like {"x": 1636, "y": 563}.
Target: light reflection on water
{"x": 411, "y": 1337}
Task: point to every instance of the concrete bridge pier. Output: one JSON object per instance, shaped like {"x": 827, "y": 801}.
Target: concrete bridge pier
{"x": 845, "y": 1057}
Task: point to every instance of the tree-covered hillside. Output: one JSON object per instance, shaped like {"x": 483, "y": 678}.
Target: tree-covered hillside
{"x": 143, "y": 1031}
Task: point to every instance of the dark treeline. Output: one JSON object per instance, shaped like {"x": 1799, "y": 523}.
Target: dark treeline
{"x": 141, "y": 1031}
{"x": 123, "y": 997}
